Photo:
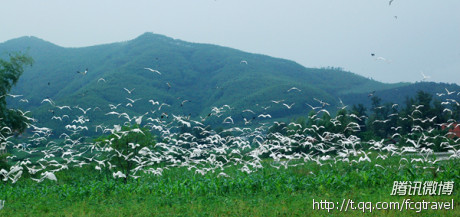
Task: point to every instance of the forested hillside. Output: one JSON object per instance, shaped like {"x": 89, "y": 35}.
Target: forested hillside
{"x": 189, "y": 78}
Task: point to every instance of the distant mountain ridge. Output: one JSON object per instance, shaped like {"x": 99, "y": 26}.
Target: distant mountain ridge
{"x": 202, "y": 75}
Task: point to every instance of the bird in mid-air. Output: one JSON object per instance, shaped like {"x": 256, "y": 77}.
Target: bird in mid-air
{"x": 153, "y": 70}
{"x": 84, "y": 72}
{"x": 371, "y": 94}
{"x": 424, "y": 76}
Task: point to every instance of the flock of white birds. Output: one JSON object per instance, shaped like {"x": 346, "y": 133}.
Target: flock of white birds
{"x": 243, "y": 146}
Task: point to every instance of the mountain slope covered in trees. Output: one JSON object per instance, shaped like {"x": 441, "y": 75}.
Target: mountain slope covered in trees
{"x": 194, "y": 78}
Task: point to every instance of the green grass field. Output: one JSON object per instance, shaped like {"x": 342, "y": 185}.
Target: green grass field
{"x": 266, "y": 192}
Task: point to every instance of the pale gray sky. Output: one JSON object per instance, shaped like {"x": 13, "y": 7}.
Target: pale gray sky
{"x": 425, "y": 36}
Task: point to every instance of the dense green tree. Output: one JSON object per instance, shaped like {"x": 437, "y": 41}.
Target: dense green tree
{"x": 126, "y": 144}
{"x": 424, "y": 99}
{"x": 11, "y": 121}
{"x": 10, "y": 71}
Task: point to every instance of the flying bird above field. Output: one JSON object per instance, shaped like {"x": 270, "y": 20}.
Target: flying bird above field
{"x": 314, "y": 108}
{"x": 154, "y": 102}
{"x": 101, "y": 79}
{"x": 383, "y": 59}
{"x": 64, "y": 107}
{"x": 112, "y": 107}
{"x": 153, "y": 70}
{"x": 49, "y": 101}
{"x": 294, "y": 88}
{"x": 371, "y": 94}
{"x": 84, "y": 72}
{"x": 248, "y": 110}
{"x": 228, "y": 120}
{"x": 449, "y": 92}
{"x": 321, "y": 102}
{"x": 264, "y": 116}
{"x": 133, "y": 100}
{"x": 183, "y": 102}
{"x": 424, "y": 76}
{"x": 244, "y": 61}
{"x": 288, "y": 106}
{"x": 129, "y": 91}
{"x": 162, "y": 104}
{"x": 169, "y": 85}
{"x": 84, "y": 110}
{"x": 14, "y": 96}
{"x": 274, "y": 101}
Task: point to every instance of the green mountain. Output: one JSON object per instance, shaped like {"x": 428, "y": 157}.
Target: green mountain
{"x": 205, "y": 75}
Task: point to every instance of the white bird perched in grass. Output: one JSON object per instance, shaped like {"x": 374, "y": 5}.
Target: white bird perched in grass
{"x": 153, "y": 70}
{"x": 119, "y": 174}
{"x": 222, "y": 174}
{"x": 16, "y": 177}
{"x": 49, "y": 175}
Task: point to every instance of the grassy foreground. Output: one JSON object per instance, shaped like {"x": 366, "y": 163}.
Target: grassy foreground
{"x": 267, "y": 192}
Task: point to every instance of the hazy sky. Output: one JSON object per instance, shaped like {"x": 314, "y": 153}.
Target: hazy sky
{"x": 425, "y": 36}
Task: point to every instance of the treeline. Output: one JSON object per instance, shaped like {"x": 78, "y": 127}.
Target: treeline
{"x": 422, "y": 116}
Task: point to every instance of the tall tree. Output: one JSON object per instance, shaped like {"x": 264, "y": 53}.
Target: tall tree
{"x": 128, "y": 147}
{"x": 11, "y": 121}
{"x": 10, "y": 71}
